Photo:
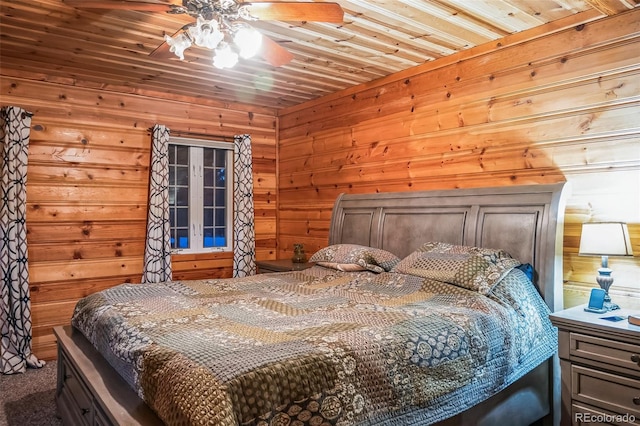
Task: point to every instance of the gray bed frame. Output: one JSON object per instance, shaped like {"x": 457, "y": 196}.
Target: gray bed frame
{"x": 526, "y": 221}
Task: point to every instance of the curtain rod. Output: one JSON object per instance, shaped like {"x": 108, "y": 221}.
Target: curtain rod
{"x": 199, "y": 135}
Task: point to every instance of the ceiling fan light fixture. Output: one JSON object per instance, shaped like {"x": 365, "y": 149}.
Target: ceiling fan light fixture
{"x": 248, "y": 41}
{"x": 178, "y": 44}
{"x": 206, "y": 33}
{"x": 245, "y": 13}
{"x": 227, "y": 5}
{"x": 224, "y": 57}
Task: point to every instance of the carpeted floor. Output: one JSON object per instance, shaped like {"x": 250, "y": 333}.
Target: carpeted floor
{"x": 28, "y": 399}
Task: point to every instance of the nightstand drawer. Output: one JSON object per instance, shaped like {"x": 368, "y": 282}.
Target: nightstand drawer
{"x": 611, "y": 352}
{"x": 608, "y": 391}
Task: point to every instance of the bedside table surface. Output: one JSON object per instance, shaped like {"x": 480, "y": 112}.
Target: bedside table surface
{"x": 282, "y": 265}
{"x": 578, "y": 317}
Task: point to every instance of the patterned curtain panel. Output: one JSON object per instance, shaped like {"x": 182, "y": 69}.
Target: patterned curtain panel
{"x": 15, "y": 304}
{"x": 244, "y": 238}
{"x": 157, "y": 252}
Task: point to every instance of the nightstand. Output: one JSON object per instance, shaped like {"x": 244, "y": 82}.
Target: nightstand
{"x": 282, "y": 265}
{"x": 600, "y": 367}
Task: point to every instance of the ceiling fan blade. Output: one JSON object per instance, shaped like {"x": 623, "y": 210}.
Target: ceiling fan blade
{"x": 293, "y": 11}
{"x": 140, "y": 5}
{"x": 162, "y": 51}
{"x": 273, "y": 53}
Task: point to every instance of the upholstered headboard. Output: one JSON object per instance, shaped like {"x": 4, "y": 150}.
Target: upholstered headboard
{"x": 526, "y": 221}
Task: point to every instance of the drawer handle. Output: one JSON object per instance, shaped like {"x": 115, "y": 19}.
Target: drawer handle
{"x": 636, "y": 358}
{"x": 86, "y": 410}
{"x": 636, "y": 400}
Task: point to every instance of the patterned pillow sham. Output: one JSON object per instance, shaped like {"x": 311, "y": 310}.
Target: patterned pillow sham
{"x": 354, "y": 257}
{"x": 474, "y": 268}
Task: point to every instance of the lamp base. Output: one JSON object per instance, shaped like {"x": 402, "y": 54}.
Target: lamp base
{"x": 610, "y": 306}
{"x": 605, "y": 280}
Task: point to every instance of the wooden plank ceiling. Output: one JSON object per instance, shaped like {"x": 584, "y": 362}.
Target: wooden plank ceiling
{"x": 109, "y": 49}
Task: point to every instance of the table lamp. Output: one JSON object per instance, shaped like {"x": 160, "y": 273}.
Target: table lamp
{"x": 605, "y": 239}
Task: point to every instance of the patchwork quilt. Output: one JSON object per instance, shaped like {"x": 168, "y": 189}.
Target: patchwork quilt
{"x": 320, "y": 346}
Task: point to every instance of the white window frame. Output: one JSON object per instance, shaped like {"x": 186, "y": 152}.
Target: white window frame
{"x": 196, "y": 183}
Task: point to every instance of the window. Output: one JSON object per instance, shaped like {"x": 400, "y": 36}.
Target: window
{"x": 200, "y": 195}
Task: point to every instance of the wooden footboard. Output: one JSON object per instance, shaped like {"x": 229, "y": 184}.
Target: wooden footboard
{"x": 89, "y": 391}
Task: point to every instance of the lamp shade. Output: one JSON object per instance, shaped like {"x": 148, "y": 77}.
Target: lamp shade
{"x": 605, "y": 239}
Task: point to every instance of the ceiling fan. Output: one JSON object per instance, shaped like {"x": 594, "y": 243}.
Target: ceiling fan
{"x": 223, "y": 25}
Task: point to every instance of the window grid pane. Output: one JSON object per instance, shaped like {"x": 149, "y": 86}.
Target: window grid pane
{"x": 179, "y": 196}
{"x": 214, "y": 197}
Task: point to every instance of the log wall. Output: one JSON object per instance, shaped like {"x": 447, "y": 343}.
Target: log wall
{"x": 528, "y": 109}
{"x": 87, "y": 188}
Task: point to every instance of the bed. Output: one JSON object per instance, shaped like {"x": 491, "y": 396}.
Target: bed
{"x": 377, "y": 335}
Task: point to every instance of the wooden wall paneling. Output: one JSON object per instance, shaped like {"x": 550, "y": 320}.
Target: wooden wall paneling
{"x": 553, "y": 108}
{"x": 451, "y": 129}
{"x": 439, "y": 83}
{"x": 84, "y": 211}
{"x": 64, "y": 291}
{"x": 54, "y": 234}
{"x": 508, "y": 157}
{"x": 44, "y": 343}
{"x": 101, "y": 109}
{"x": 306, "y": 223}
{"x": 324, "y": 197}
{"x": 48, "y": 252}
{"x": 199, "y": 267}
{"x": 85, "y": 269}
{"x": 388, "y": 138}
{"x": 88, "y": 187}
{"x": 482, "y": 104}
